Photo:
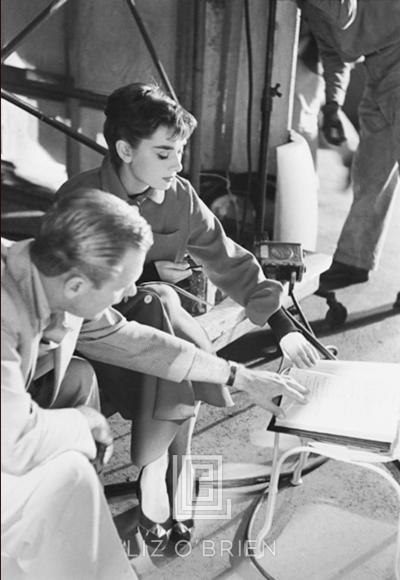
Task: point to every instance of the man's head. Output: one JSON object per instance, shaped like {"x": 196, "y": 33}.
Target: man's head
{"x": 135, "y": 112}
{"x": 91, "y": 246}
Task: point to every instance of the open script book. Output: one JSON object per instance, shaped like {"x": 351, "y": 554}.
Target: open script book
{"x": 350, "y": 403}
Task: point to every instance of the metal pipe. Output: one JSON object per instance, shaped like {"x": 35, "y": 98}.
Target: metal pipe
{"x": 151, "y": 49}
{"x": 37, "y": 21}
{"x": 266, "y": 109}
{"x": 311, "y": 337}
{"x": 197, "y": 106}
{"x": 55, "y": 92}
{"x": 53, "y": 122}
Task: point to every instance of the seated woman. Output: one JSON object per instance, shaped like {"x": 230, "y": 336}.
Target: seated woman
{"x": 146, "y": 132}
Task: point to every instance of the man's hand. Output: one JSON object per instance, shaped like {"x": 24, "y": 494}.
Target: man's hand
{"x": 100, "y": 429}
{"x": 173, "y": 272}
{"x": 263, "y": 386}
{"x": 332, "y": 126}
{"x": 296, "y": 348}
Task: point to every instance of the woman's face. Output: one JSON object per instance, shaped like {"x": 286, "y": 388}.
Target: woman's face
{"x": 154, "y": 163}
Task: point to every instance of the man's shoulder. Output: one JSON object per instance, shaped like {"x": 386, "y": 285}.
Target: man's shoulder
{"x": 14, "y": 310}
{"x": 16, "y": 307}
{"x": 90, "y": 178}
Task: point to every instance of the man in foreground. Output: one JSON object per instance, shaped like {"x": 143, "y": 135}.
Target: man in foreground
{"x": 55, "y": 519}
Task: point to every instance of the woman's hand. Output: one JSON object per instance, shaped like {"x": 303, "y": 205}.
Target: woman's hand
{"x": 297, "y": 349}
{"x": 172, "y": 272}
{"x": 264, "y": 386}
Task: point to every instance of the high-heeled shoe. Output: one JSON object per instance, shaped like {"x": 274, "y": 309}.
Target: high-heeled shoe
{"x": 155, "y": 534}
{"x": 182, "y": 530}
{"x": 181, "y": 536}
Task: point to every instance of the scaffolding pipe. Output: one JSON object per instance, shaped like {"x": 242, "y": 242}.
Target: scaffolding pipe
{"x": 198, "y": 90}
{"x": 151, "y": 49}
{"x": 266, "y": 110}
{"x": 53, "y": 122}
{"x": 37, "y": 21}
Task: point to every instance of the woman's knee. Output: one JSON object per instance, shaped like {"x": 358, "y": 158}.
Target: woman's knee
{"x": 168, "y": 297}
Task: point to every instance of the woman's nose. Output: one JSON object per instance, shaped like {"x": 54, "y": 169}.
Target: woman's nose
{"x": 177, "y": 163}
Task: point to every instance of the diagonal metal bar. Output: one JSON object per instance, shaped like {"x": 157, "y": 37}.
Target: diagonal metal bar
{"x": 151, "y": 49}
{"x": 53, "y": 122}
{"x": 37, "y": 21}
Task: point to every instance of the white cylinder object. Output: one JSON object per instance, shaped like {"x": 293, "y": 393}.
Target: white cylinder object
{"x": 296, "y": 202}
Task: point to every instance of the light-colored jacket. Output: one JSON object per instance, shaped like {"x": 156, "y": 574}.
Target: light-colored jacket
{"x": 182, "y": 223}
{"x": 32, "y": 435}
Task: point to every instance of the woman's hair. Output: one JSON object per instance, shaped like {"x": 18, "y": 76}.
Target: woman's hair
{"x": 136, "y": 111}
{"x": 88, "y": 231}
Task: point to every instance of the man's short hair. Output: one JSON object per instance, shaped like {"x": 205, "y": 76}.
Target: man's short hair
{"x": 88, "y": 231}
{"x": 136, "y": 111}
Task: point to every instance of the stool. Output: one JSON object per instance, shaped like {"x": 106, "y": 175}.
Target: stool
{"x": 361, "y": 457}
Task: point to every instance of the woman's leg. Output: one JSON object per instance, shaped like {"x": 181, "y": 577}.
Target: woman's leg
{"x": 180, "y": 473}
{"x": 153, "y": 490}
{"x": 183, "y": 323}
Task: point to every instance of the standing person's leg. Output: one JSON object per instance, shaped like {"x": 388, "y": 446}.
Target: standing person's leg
{"x": 56, "y": 525}
{"x": 375, "y": 179}
{"x": 375, "y": 175}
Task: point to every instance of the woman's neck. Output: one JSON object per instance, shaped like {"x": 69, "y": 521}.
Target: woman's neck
{"x": 130, "y": 184}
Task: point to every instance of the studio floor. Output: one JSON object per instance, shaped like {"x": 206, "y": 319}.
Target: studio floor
{"x": 341, "y": 523}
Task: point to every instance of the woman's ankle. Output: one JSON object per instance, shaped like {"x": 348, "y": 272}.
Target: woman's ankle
{"x": 153, "y": 494}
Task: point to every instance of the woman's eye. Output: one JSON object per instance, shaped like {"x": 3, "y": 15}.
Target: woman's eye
{"x": 163, "y": 156}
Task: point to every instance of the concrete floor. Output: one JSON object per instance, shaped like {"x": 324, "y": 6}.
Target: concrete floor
{"x": 341, "y": 523}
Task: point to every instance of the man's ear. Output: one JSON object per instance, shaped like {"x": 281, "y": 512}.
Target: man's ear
{"x": 75, "y": 286}
{"x": 124, "y": 150}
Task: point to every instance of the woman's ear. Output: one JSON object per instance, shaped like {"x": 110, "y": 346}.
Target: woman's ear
{"x": 75, "y": 286}
{"x": 124, "y": 150}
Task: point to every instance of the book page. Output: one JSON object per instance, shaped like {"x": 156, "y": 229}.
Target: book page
{"x": 360, "y": 400}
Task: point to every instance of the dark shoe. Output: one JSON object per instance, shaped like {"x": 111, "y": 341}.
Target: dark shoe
{"x": 341, "y": 275}
{"x": 181, "y": 537}
{"x": 155, "y": 535}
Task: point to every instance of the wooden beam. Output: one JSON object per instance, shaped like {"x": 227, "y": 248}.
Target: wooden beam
{"x": 49, "y": 86}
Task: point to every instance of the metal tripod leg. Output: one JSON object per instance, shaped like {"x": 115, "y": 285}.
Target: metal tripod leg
{"x": 305, "y": 327}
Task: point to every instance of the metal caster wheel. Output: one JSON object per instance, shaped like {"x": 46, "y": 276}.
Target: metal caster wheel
{"x": 337, "y": 313}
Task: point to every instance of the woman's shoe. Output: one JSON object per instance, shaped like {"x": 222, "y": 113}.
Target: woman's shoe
{"x": 181, "y": 536}
{"x": 155, "y": 535}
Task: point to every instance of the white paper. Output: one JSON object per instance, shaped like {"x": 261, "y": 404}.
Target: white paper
{"x": 352, "y": 399}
